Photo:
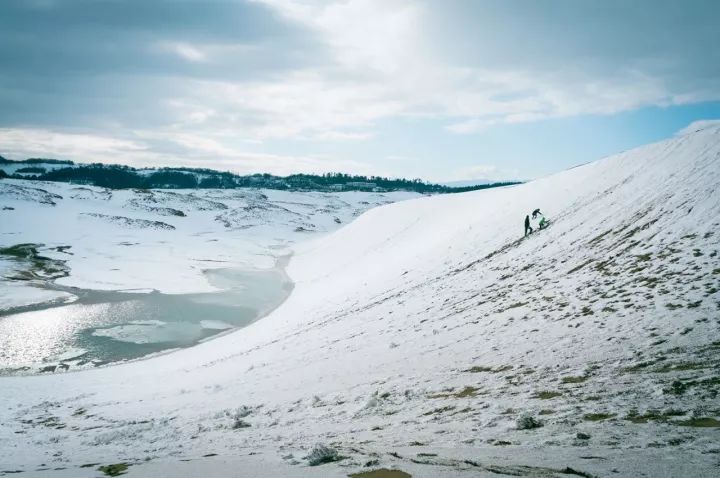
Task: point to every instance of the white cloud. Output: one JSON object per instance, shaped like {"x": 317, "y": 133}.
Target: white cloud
{"x": 399, "y": 158}
{"x": 385, "y": 65}
{"x": 305, "y": 103}
{"x": 84, "y": 147}
{"x": 367, "y": 35}
{"x": 184, "y": 50}
{"x": 141, "y": 150}
{"x": 479, "y": 171}
{"x": 483, "y": 172}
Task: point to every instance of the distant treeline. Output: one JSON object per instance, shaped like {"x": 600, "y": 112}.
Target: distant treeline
{"x": 123, "y": 177}
{"x": 35, "y": 161}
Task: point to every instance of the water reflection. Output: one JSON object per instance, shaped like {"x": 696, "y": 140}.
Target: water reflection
{"x": 104, "y": 326}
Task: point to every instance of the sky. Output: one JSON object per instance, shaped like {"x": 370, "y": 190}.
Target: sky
{"x": 439, "y": 90}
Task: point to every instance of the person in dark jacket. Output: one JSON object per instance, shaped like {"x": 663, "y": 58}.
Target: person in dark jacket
{"x": 528, "y": 229}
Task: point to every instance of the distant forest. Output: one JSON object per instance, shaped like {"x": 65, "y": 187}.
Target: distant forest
{"x": 122, "y": 177}
{"x": 35, "y": 161}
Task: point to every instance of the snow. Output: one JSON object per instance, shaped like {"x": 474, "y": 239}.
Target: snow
{"x": 418, "y": 335}
{"x": 125, "y": 239}
{"x": 16, "y": 294}
{"x": 71, "y": 354}
{"x": 177, "y": 242}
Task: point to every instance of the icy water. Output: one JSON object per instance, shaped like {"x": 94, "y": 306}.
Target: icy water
{"x": 107, "y": 326}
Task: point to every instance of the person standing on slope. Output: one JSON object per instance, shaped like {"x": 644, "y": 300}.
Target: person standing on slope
{"x": 528, "y": 229}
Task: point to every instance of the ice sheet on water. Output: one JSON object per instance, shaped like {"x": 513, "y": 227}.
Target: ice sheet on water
{"x": 70, "y": 354}
{"x": 137, "y": 332}
{"x": 215, "y": 325}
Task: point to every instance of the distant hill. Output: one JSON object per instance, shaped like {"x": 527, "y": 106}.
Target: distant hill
{"x": 4, "y": 160}
{"x": 467, "y": 183}
{"x": 121, "y": 177}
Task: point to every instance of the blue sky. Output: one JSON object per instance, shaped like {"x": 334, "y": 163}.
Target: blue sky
{"x": 451, "y": 90}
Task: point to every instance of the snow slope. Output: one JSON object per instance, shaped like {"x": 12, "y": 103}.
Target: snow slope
{"x": 428, "y": 336}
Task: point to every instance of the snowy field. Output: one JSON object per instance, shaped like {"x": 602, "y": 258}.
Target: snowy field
{"x": 61, "y": 244}
{"x": 426, "y": 336}
{"x": 164, "y": 239}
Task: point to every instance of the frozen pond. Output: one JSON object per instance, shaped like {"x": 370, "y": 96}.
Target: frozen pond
{"x": 101, "y": 327}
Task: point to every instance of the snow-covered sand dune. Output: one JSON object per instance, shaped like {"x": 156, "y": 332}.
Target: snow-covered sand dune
{"x": 427, "y": 336}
